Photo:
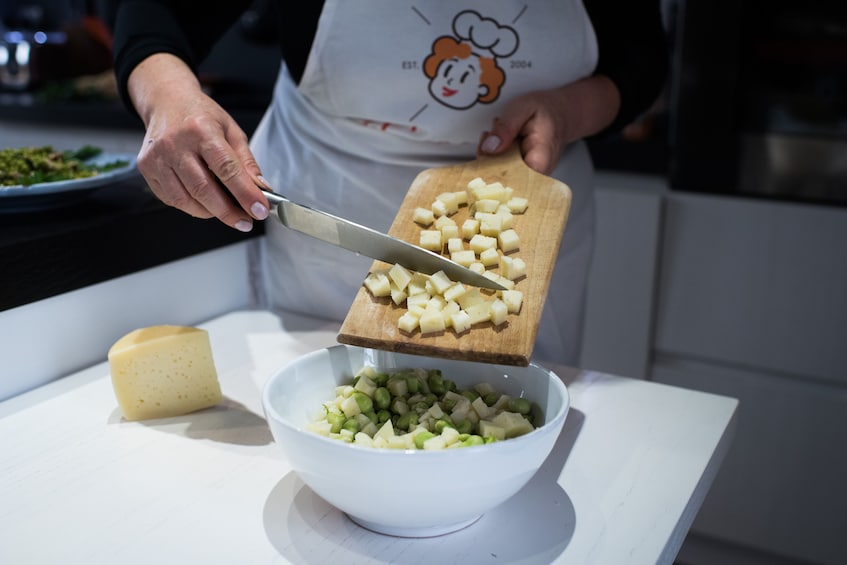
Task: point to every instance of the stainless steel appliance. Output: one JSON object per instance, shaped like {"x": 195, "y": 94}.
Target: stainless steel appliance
{"x": 759, "y": 99}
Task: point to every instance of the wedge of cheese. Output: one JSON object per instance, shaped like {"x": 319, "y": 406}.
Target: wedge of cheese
{"x": 163, "y": 371}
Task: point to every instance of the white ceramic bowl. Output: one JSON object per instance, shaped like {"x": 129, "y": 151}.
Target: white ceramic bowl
{"x": 409, "y": 493}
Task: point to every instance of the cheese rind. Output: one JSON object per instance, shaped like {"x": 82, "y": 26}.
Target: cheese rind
{"x": 163, "y": 371}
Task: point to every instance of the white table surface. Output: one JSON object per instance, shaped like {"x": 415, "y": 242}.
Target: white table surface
{"x": 80, "y": 485}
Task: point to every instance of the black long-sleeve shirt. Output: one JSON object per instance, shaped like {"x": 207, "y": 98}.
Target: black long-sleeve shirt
{"x": 630, "y": 36}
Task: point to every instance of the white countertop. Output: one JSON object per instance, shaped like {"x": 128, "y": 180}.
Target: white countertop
{"x": 80, "y": 485}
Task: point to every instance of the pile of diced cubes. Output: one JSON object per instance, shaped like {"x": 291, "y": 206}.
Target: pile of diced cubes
{"x": 486, "y": 242}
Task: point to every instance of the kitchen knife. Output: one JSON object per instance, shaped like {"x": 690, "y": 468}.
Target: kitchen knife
{"x": 371, "y": 243}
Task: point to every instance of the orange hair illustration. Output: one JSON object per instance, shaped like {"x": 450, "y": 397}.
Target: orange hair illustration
{"x": 447, "y": 47}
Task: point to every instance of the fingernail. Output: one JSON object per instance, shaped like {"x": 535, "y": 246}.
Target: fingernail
{"x": 264, "y": 181}
{"x": 491, "y": 143}
{"x": 259, "y": 210}
{"x": 244, "y": 225}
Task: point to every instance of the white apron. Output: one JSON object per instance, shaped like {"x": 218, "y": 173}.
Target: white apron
{"x": 392, "y": 87}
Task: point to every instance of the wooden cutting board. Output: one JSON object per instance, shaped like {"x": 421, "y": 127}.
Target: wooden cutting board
{"x": 372, "y": 322}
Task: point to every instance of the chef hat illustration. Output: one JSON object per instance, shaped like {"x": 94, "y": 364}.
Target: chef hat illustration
{"x": 486, "y": 36}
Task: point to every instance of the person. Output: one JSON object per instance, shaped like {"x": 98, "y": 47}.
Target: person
{"x": 370, "y": 93}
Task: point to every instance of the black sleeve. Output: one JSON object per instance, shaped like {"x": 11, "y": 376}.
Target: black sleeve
{"x": 633, "y": 52}
{"x": 182, "y": 28}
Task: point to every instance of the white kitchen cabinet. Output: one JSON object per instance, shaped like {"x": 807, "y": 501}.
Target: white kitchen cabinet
{"x": 756, "y": 284}
{"x": 782, "y": 488}
{"x": 745, "y": 298}
{"x": 752, "y": 303}
{"x": 621, "y": 283}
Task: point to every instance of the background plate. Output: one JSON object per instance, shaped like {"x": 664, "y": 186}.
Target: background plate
{"x": 47, "y": 195}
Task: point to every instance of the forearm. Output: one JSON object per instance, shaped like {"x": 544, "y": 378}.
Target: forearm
{"x": 179, "y": 27}
{"x": 587, "y": 107}
{"x": 633, "y": 53}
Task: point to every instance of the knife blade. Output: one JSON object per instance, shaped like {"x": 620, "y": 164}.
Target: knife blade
{"x": 370, "y": 243}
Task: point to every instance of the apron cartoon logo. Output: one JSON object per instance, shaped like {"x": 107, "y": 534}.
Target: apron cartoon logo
{"x": 463, "y": 68}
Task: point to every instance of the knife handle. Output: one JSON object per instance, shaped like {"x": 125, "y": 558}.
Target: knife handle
{"x": 274, "y": 198}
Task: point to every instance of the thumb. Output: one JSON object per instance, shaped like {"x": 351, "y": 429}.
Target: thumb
{"x": 505, "y": 129}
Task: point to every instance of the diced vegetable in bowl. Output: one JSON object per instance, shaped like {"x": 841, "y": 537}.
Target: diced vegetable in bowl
{"x": 420, "y": 409}
{"x": 453, "y": 485}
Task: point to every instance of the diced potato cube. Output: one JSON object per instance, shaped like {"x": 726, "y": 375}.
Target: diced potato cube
{"x": 440, "y": 282}
{"x": 519, "y": 266}
{"x": 499, "y": 279}
{"x": 465, "y": 257}
{"x": 489, "y": 257}
{"x": 491, "y": 225}
{"x": 398, "y": 296}
{"x": 450, "y": 202}
{"x": 513, "y": 300}
{"x": 398, "y": 442}
{"x": 486, "y": 205}
{"x": 455, "y": 292}
{"x": 507, "y": 219}
{"x": 499, "y": 312}
{"x": 461, "y": 197}
{"x": 455, "y": 244}
{"x": 378, "y": 284}
{"x": 480, "y": 243}
{"x": 450, "y": 308}
{"x": 418, "y": 284}
{"x": 469, "y": 298}
{"x": 431, "y": 322}
{"x": 431, "y": 239}
{"x": 434, "y": 443}
{"x": 444, "y": 221}
{"x": 476, "y": 184}
{"x": 423, "y": 216}
{"x": 483, "y": 388}
{"x": 368, "y": 427}
{"x": 369, "y": 371}
{"x": 480, "y": 408}
{"x": 421, "y": 299}
{"x": 365, "y": 384}
{"x": 400, "y": 275}
{"x": 408, "y": 322}
{"x": 460, "y": 321}
{"x": 439, "y": 208}
{"x": 502, "y": 403}
{"x": 490, "y": 429}
{"x": 363, "y": 439}
{"x": 477, "y": 267}
{"x": 449, "y": 232}
{"x": 435, "y": 304}
{"x": 470, "y": 228}
{"x": 350, "y": 407}
{"x": 508, "y": 240}
{"x": 479, "y": 312}
{"x": 435, "y": 411}
{"x": 518, "y": 204}
{"x": 513, "y": 424}
{"x": 493, "y": 191}
{"x": 512, "y": 268}
{"x": 450, "y": 435}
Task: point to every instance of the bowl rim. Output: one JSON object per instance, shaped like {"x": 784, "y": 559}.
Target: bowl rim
{"x": 554, "y": 421}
